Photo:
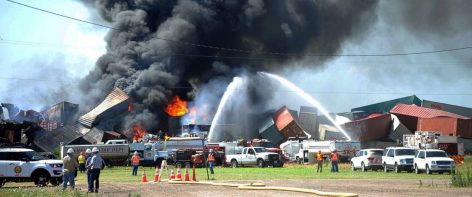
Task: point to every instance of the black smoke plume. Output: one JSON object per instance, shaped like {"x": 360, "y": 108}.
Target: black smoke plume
{"x": 141, "y": 60}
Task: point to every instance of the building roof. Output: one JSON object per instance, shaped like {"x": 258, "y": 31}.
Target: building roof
{"x": 386, "y": 106}
{"x": 67, "y": 134}
{"x": 114, "y": 98}
{"x": 422, "y": 112}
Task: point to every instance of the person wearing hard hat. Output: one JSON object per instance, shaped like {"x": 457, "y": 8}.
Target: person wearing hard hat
{"x": 96, "y": 164}
{"x": 81, "y": 162}
{"x": 135, "y": 162}
{"x": 88, "y": 160}
{"x": 319, "y": 159}
{"x": 334, "y": 161}
{"x": 68, "y": 170}
{"x": 211, "y": 160}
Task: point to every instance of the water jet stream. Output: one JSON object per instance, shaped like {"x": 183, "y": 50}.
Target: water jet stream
{"x": 232, "y": 87}
{"x": 308, "y": 98}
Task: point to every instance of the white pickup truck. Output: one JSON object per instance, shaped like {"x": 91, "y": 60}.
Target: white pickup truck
{"x": 254, "y": 156}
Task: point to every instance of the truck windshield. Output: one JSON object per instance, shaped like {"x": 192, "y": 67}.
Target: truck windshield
{"x": 34, "y": 156}
{"x": 400, "y": 152}
{"x": 260, "y": 150}
{"x": 436, "y": 154}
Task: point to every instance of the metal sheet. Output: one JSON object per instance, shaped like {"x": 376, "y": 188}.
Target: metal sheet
{"x": 386, "y": 106}
{"x": 447, "y": 126}
{"x": 367, "y": 129}
{"x": 422, "y": 112}
{"x": 269, "y": 132}
{"x": 114, "y": 99}
{"x": 52, "y": 139}
{"x": 463, "y": 111}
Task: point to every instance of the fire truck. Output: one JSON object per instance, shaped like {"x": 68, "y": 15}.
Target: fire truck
{"x": 434, "y": 140}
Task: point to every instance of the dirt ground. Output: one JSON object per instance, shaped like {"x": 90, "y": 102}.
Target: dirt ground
{"x": 361, "y": 187}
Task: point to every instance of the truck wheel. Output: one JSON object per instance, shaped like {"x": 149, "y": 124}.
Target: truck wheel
{"x": 260, "y": 163}
{"x": 41, "y": 178}
{"x": 2, "y": 182}
{"x": 397, "y": 170}
{"x": 363, "y": 169}
{"x": 56, "y": 181}
{"x": 417, "y": 171}
{"x": 234, "y": 163}
{"x": 428, "y": 171}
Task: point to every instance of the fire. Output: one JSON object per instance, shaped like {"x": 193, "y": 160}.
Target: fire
{"x": 138, "y": 131}
{"x": 176, "y": 107}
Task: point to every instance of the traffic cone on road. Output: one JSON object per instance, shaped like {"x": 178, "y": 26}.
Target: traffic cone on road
{"x": 187, "y": 178}
{"x": 172, "y": 175}
{"x": 194, "y": 177}
{"x": 156, "y": 175}
{"x": 143, "y": 178}
{"x": 179, "y": 175}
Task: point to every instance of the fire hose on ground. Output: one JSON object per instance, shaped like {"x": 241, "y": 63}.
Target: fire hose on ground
{"x": 262, "y": 186}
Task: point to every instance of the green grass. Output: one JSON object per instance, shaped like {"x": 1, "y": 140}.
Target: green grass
{"x": 123, "y": 174}
{"x": 38, "y": 191}
{"x": 293, "y": 171}
{"x": 463, "y": 176}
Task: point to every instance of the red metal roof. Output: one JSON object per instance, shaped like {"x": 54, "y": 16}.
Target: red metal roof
{"x": 422, "y": 112}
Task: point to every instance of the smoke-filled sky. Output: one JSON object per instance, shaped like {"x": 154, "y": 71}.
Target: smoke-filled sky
{"x": 135, "y": 55}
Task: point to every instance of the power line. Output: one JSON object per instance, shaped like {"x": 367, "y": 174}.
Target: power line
{"x": 251, "y": 51}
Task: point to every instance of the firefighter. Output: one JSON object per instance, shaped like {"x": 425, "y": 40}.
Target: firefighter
{"x": 334, "y": 161}
{"x": 211, "y": 160}
{"x": 135, "y": 162}
{"x": 81, "y": 162}
{"x": 319, "y": 158}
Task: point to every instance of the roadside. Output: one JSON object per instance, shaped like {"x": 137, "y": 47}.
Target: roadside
{"x": 363, "y": 187}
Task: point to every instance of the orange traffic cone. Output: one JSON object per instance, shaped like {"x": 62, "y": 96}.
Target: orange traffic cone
{"x": 143, "y": 178}
{"x": 179, "y": 175}
{"x": 172, "y": 175}
{"x": 156, "y": 175}
{"x": 194, "y": 177}
{"x": 187, "y": 178}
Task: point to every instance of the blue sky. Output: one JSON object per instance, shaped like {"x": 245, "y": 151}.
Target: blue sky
{"x": 62, "y": 50}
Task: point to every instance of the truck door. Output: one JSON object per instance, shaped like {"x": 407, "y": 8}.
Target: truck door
{"x": 421, "y": 160}
{"x": 5, "y": 169}
{"x": 147, "y": 153}
{"x": 250, "y": 157}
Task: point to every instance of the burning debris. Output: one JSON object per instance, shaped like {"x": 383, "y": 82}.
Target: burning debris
{"x": 138, "y": 132}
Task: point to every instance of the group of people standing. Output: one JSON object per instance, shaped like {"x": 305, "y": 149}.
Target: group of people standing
{"x": 333, "y": 157}
{"x": 91, "y": 163}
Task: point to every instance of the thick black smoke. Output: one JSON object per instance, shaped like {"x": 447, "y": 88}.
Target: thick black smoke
{"x": 151, "y": 69}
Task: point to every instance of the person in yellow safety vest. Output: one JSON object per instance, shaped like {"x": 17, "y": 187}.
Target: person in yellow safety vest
{"x": 334, "y": 161}
{"x": 135, "y": 162}
{"x": 81, "y": 162}
{"x": 211, "y": 160}
{"x": 319, "y": 158}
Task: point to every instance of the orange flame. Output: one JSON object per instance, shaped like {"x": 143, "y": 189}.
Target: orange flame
{"x": 176, "y": 107}
{"x": 138, "y": 131}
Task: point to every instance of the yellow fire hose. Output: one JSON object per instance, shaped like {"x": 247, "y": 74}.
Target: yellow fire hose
{"x": 262, "y": 186}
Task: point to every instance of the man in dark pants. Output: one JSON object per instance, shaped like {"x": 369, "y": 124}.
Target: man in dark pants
{"x": 319, "y": 159}
{"x": 334, "y": 161}
{"x": 88, "y": 161}
{"x": 95, "y": 166}
{"x": 211, "y": 161}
